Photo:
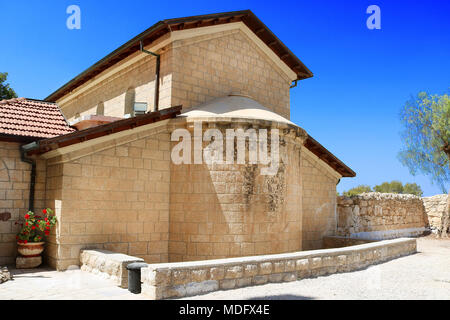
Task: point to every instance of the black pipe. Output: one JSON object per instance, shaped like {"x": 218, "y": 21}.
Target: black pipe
{"x": 32, "y": 177}
{"x": 158, "y": 58}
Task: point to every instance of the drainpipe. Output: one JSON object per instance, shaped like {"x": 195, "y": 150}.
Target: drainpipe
{"x": 24, "y": 158}
{"x": 158, "y": 58}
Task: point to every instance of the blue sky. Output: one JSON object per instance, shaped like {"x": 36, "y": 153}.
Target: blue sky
{"x": 361, "y": 78}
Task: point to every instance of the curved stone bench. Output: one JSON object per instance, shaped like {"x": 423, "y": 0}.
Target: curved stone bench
{"x": 108, "y": 264}
{"x": 170, "y": 280}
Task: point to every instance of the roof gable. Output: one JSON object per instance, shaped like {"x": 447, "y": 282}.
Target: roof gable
{"x": 167, "y": 26}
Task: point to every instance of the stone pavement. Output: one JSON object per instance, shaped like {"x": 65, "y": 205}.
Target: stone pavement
{"x": 48, "y": 284}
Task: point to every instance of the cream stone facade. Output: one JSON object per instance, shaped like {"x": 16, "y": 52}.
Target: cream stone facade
{"x": 196, "y": 66}
{"x": 115, "y": 187}
{"x": 14, "y": 195}
{"x": 112, "y": 195}
{"x": 318, "y": 200}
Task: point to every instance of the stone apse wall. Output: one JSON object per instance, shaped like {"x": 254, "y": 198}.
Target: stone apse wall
{"x": 380, "y": 216}
{"x": 230, "y": 210}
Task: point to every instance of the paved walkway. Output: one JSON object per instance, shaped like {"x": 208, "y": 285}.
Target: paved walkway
{"x": 425, "y": 275}
{"x": 48, "y": 284}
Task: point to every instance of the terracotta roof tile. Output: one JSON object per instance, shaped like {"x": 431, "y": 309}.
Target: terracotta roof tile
{"x": 32, "y": 118}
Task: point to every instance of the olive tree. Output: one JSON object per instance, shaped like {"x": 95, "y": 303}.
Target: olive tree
{"x": 426, "y": 141}
{"x": 6, "y": 92}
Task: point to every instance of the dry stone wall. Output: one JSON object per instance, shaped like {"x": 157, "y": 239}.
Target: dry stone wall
{"x": 435, "y": 207}
{"x": 379, "y": 216}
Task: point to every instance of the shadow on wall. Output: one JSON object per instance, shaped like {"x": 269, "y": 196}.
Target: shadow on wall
{"x": 224, "y": 211}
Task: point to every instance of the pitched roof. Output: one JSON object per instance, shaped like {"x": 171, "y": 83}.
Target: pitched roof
{"x": 47, "y": 145}
{"x": 28, "y": 118}
{"x": 320, "y": 151}
{"x": 165, "y": 26}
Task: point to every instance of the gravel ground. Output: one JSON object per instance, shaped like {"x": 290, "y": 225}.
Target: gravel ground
{"x": 424, "y": 275}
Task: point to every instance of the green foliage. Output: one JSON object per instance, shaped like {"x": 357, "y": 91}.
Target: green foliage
{"x": 397, "y": 187}
{"x": 426, "y": 137}
{"x": 6, "y": 92}
{"x": 387, "y": 187}
{"x": 412, "y": 188}
{"x": 357, "y": 190}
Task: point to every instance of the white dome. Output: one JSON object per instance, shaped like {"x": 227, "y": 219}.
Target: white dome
{"x": 234, "y": 106}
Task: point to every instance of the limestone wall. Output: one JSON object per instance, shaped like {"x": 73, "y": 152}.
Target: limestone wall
{"x": 193, "y": 71}
{"x": 214, "y": 65}
{"x": 230, "y": 210}
{"x": 435, "y": 207}
{"x": 137, "y": 73}
{"x": 169, "y": 280}
{"x": 14, "y": 195}
{"x": 318, "y": 200}
{"x": 113, "y": 196}
{"x": 380, "y": 216}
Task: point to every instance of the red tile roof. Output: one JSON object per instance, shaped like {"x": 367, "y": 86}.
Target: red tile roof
{"x": 32, "y": 118}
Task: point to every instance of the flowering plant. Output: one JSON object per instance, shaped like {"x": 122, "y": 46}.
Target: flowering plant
{"x": 34, "y": 225}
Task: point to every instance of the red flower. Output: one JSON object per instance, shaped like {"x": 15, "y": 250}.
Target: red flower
{"x": 48, "y": 223}
{"x": 26, "y": 223}
{"x": 47, "y": 228}
{"x": 46, "y": 219}
{"x": 47, "y": 232}
{"x": 27, "y": 216}
{"x": 33, "y": 227}
{"x": 25, "y": 241}
{"x": 44, "y": 211}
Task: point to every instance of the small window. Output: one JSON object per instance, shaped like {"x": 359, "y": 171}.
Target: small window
{"x": 140, "y": 108}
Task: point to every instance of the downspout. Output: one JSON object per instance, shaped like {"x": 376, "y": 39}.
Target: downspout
{"x": 24, "y": 158}
{"x": 158, "y": 62}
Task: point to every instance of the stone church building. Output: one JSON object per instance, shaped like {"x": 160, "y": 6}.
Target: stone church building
{"x": 98, "y": 151}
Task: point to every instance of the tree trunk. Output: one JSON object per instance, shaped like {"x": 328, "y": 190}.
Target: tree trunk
{"x": 445, "y": 219}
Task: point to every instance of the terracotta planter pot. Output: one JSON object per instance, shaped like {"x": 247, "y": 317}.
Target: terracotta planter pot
{"x": 30, "y": 249}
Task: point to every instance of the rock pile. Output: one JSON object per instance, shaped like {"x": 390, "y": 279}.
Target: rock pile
{"x": 435, "y": 207}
